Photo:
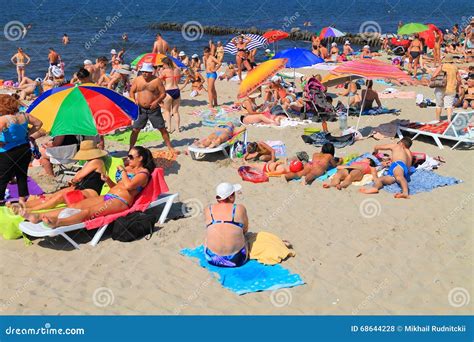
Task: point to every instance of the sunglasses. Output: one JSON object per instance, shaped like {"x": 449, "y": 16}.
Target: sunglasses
{"x": 130, "y": 157}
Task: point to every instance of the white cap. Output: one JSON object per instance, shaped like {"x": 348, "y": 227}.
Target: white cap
{"x": 38, "y": 79}
{"x": 366, "y": 47}
{"x": 347, "y": 42}
{"x": 181, "y": 54}
{"x": 87, "y": 62}
{"x": 291, "y": 89}
{"x": 113, "y": 52}
{"x": 275, "y": 79}
{"x": 195, "y": 56}
{"x": 147, "y": 67}
{"x": 334, "y": 44}
{"x": 224, "y": 190}
{"x": 268, "y": 51}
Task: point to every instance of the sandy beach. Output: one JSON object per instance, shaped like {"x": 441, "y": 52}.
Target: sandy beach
{"x": 358, "y": 254}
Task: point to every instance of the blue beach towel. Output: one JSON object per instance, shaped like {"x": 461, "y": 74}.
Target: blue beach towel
{"x": 423, "y": 181}
{"x": 251, "y": 277}
{"x": 379, "y": 111}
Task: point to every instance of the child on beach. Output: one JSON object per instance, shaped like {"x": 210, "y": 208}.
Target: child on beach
{"x": 222, "y": 134}
{"x": 317, "y": 167}
{"x": 399, "y": 168}
{"x": 259, "y": 151}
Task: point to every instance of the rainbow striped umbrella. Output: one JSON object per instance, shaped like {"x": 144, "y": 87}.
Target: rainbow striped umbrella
{"x": 153, "y": 58}
{"x": 85, "y": 109}
{"x": 329, "y": 31}
{"x": 371, "y": 69}
{"x": 260, "y": 74}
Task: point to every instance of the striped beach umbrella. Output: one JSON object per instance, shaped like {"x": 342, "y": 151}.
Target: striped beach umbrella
{"x": 371, "y": 69}
{"x": 329, "y": 31}
{"x": 256, "y": 42}
{"x": 153, "y": 58}
{"x": 260, "y": 74}
{"x": 85, "y": 109}
{"x": 412, "y": 28}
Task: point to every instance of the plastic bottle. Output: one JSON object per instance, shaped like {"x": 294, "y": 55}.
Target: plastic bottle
{"x": 342, "y": 121}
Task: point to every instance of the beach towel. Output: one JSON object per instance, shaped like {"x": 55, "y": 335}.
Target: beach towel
{"x": 378, "y": 111}
{"x": 33, "y": 189}
{"x": 423, "y": 181}
{"x": 144, "y": 137}
{"x": 398, "y": 95}
{"x": 251, "y": 277}
{"x": 268, "y": 249}
{"x": 216, "y": 111}
{"x": 319, "y": 139}
{"x": 156, "y": 186}
{"x": 278, "y": 146}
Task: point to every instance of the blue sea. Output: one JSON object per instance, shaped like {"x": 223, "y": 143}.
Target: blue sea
{"x": 96, "y": 26}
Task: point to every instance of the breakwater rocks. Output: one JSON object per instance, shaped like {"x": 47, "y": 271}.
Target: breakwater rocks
{"x": 371, "y": 38}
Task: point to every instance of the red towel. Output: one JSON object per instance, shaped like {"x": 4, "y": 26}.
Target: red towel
{"x": 154, "y": 188}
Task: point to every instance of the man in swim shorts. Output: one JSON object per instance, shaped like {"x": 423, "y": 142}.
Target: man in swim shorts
{"x": 212, "y": 65}
{"x": 399, "y": 168}
{"x": 148, "y": 92}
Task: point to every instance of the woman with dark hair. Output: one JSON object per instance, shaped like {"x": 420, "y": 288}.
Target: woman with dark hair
{"x": 170, "y": 75}
{"x": 129, "y": 183}
{"x": 15, "y": 152}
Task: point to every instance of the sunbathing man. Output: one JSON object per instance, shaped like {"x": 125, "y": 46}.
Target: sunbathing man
{"x": 259, "y": 151}
{"x": 369, "y": 96}
{"x": 399, "y": 168}
{"x": 222, "y": 134}
{"x": 129, "y": 183}
{"x": 317, "y": 167}
{"x": 346, "y": 174}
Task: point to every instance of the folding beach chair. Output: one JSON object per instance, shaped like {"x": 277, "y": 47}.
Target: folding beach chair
{"x": 199, "y": 152}
{"x": 61, "y": 158}
{"x": 459, "y": 130}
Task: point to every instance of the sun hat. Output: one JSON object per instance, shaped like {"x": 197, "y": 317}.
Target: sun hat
{"x": 87, "y": 62}
{"x": 195, "y": 56}
{"x": 181, "y": 54}
{"x": 448, "y": 58}
{"x": 125, "y": 69}
{"x": 225, "y": 190}
{"x": 113, "y": 52}
{"x": 347, "y": 42}
{"x": 88, "y": 150}
{"x": 147, "y": 67}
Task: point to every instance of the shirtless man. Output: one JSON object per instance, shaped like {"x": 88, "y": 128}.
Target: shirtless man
{"x": 323, "y": 52}
{"x": 54, "y": 60}
{"x": 212, "y": 65}
{"x": 148, "y": 92}
{"x": 369, "y": 96}
{"x": 160, "y": 45}
{"x": 94, "y": 74}
{"x": 347, "y": 48}
{"x": 399, "y": 168}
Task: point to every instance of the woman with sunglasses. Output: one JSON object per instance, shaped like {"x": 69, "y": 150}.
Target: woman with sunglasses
{"x": 129, "y": 183}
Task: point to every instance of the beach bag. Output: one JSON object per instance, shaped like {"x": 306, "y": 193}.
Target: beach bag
{"x": 133, "y": 227}
{"x": 251, "y": 174}
{"x": 439, "y": 81}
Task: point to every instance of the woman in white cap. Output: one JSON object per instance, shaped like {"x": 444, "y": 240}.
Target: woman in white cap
{"x": 195, "y": 63}
{"x": 227, "y": 224}
{"x": 347, "y": 49}
{"x": 334, "y": 52}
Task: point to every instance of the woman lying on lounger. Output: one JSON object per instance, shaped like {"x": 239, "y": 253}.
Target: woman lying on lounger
{"x": 88, "y": 181}
{"x": 130, "y": 181}
{"x": 257, "y": 114}
{"x": 222, "y": 134}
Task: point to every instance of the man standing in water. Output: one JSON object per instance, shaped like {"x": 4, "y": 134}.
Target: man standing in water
{"x": 160, "y": 45}
{"x": 212, "y": 65}
{"x": 148, "y": 92}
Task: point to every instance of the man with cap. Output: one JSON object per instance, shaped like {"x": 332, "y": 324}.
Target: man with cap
{"x": 183, "y": 58}
{"x": 347, "y": 50}
{"x": 226, "y": 223}
{"x": 160, "y": 45}
{"x": 120, "y": 80}
{"x": 445, "y": 96}
{"x": 148, "y": 92}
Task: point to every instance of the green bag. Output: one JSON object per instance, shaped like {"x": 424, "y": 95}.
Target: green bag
{"x": 9, "y": 224}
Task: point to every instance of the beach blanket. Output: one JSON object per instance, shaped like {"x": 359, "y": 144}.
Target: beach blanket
{"x": 33, "y": 189}
{"x": 251, "y": 277}
{"x": 212, "y": 119}
{"x": 423, "y": 181}
{"x": 216, "y": 111}
{"x": 398, "y": 95}
{"x": 144, "y": 137}
{"x": 278, "y": 146}
{"x": 319, "y": 139}
{"x": 376, "y": 111}
{"x": 286, "y": 122}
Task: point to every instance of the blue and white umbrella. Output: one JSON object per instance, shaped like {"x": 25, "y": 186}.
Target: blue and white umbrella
{"x": 256, "y": 42}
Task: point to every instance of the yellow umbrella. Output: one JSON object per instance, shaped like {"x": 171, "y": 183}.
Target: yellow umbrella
{"x": 260, "y": 74}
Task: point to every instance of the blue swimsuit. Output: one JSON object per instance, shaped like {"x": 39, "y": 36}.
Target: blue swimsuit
{"x": 118, "y": 178}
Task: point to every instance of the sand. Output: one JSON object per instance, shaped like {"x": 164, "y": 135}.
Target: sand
{"x": 358, "y": 254}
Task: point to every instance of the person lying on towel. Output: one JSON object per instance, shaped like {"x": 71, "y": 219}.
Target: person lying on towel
{"x": 399, "y": 168}
{"x": 259, "y": 151}
{"x": 222, "y": 134}
{"x": 129, "y": 183}
{"x": 279, "y": 167}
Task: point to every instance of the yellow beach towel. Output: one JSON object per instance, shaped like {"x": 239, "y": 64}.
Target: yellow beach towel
{"x": 268, "y": 248}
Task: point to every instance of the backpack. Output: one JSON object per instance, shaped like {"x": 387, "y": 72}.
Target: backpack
{"x": 133, "y": 227}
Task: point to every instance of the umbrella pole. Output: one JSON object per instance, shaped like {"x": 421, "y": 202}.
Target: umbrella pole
{"x": 361, "y": 106}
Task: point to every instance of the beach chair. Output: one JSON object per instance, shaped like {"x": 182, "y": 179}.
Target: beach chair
{"x": 41, "y": 230}
{"x": 61, "y": 158}
{"x": 459, "y": 130}
{"x": 199, "y": 152}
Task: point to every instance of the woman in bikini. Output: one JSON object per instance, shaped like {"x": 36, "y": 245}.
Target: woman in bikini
{"x": 346, "y": 174}
{"x": 20, "y": 59}
{"x": 171, "y": 76}
{"x": 196, "y": 80}
{"x": 222, "y": 134}
{"x": 242, "y": 57}
{"x": 129, "y": 183}
{"x": 255, "y": 115}
{"x": 414, "y": 52}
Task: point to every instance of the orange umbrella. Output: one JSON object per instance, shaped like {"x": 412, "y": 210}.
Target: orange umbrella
{"x": 275, "y": 35}
{"x": 260, "y": 74}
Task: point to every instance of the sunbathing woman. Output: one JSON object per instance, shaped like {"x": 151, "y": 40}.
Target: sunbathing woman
{"x": 317, "y": 167}
{"x": 222, "y": 134}
{"x": 354, "y": 172}
{"x": 88, "y": 181}
{"x": 130, "y": 181}
{"x": 255, "y": 115}
{"x": 259, "y": 151}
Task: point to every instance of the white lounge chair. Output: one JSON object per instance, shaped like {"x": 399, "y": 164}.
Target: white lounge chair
{"x": 458, "y": 130}
{"x": 199, "y": 152}
{"x": 41, "y": 230}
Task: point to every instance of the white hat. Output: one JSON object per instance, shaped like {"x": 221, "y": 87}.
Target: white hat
{"x": 268, "y": 51}
{"x": 347, "y": 42}
{"x": 181, "y": 54}
{"x": 38, "y": 79}
{"x": 195, "y": 56}
{"x": 224, "y": 190}
{"x": 147, "y": 67}
{"x": 113, "y": 52}
{"x": 87, "y": 62}
{"x": 275, "y": 79}
{"x": 366, "y": 47}
{"x": 124, "y": 69}
{"x": 334, "y": 44}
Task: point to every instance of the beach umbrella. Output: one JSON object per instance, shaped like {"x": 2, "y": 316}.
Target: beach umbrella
{"x": 275, "y": 35}
{"x": 331, "y": 80}
{"x": 85, "y": 109}
{"x": 371, "y": 69}
{"x": 429, "y": 36}
{"x": 178, "y": 63}
{"x": 411, "y": 28}
{"x": 260, "y": 74}
{"x": 153, "y": 58}
{"x": 327, "y": 32}
{"x": 256, "y": 42}
{"x": 298, "y": 58}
